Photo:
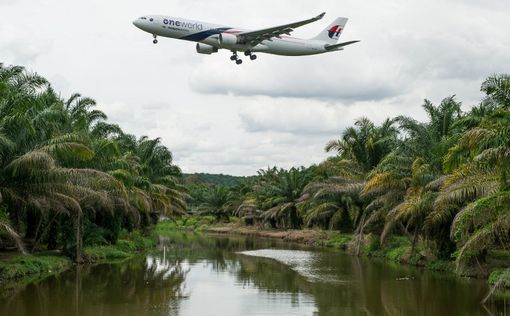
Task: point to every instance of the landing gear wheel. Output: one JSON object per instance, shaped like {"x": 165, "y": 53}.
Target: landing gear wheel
{"x": 233, "y": 57}
{"x": 239, "y": 61}
{"x": 155, "y": 41}
{"x": 253, "y": 57}
{"x": 247, "y": 53}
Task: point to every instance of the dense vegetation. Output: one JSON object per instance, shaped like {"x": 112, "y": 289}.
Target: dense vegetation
{"x": 68, "y": 177}
{"x": 212, "y": 179}
{"x": 443, "y": 184}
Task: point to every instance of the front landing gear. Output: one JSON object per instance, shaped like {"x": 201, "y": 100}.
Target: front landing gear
{"x": 155, "y": 41}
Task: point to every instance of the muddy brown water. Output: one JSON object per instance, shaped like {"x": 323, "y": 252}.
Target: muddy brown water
{"x": 220, "y": 276}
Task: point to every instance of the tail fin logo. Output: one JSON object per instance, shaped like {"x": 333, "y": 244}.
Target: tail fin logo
{"x": 335, "y": 31}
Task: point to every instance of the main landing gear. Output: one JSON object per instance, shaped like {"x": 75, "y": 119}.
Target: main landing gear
{"x": 239, "y": 61}
{"x": 155, "y": 41}
{"x": 252, "y": 56}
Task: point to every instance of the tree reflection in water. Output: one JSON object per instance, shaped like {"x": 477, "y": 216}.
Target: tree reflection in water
{"x": 347, "y": 285}
{"x": 189, "y": 270}
{"x": 143, "y": 286}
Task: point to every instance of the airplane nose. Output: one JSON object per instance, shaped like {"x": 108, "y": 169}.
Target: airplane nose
{"x": 137, "y": 23}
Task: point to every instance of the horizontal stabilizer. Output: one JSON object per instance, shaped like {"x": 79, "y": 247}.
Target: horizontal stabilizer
{"x": 339, "y": 45}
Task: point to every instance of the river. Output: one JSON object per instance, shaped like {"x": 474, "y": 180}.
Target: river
{"x": 220, "y": 276}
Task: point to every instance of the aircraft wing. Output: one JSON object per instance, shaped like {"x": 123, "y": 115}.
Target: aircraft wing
{"x": 256, "y": 37}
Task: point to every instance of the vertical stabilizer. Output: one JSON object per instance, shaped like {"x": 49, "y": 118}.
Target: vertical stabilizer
{"x": 332, "y": 33}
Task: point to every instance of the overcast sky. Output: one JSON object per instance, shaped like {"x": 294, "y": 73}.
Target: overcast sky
{"x": 219, "y": 117}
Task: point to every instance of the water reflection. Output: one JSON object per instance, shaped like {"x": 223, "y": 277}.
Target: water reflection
{"x": 197, "y": 275}
{"x": 137, "y": 287}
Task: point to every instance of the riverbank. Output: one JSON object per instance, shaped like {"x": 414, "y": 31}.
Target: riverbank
{"x": 397, "y": 249}
{"x": 18, "y": 270}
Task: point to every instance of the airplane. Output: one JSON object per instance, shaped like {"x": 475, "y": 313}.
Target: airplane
{"x": 274, "y": 40}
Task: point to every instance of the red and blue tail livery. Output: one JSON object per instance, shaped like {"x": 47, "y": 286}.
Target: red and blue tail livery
{"x": 272, "y": 40}
{"x": 335, "y": 31}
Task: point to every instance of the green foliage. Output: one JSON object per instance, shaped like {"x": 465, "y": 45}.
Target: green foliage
{"x": 105, "y": 253}
{"x": 397, "y": 249}
{"x": 440, "y": 265}
{"x": 397, "y": 254}
{"x": 186, "y": 223}
{"x": 212, "y": 179}
{"x": 25, "y": 266}
{"x": 130, "y": 245}
{"x": 68, "y": 178}
{"x": 496, "y": 276}
{"x": 280, "y": 192}
{"x": 365, "y": 143}
{"x": 373, "y": 245}
{"x": 216, "y": 201}
{"x": 339, "y": 241}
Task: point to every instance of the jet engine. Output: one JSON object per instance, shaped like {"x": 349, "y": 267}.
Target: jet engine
{"x": 228, "y": 40}
{"x": 206, "y": 49}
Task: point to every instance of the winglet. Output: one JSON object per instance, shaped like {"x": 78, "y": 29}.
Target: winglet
{"x": 320, "y": 16}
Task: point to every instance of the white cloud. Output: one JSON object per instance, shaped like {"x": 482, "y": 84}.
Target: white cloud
{"x": 325, "y": 77}
{"x": 16, "y": 47}
{"x": 307, "y": 117}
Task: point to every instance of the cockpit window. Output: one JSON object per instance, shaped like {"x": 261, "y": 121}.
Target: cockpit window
{"x": 143, "y": 18}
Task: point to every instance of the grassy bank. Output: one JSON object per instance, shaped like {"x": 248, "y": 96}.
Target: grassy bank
{"x": 125, "y": 248}
{"x": 21, "y": 269}
{"x": 24, "y": 269}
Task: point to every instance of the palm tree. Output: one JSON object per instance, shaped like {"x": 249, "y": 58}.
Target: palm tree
{"x": 497, "y": 89}
{"x": 61, "y": 159}
{"x": 217, "y": 202}
{"x": 333, "y": 202}
{"x": 416, "y": 204}
{"x": 282, "y": 196}
{"x": 365, "y": 143}
{"x": 477, "y": 188}
{"x": 401, "y": 189}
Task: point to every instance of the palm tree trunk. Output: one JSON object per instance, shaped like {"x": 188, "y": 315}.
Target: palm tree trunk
{"x": 52, "y": 236}
{"x": 49, "y": 228}
{"x": 14, "y": 217}
{"x": 360, "y": 233}
{"x": 505, "y": 185}
{"x": 37, "y": 235}
{"x": 415, "y": 239}
{"x": 406, "y": 232}
{"x": 294, "y": 219}
{"x": 32, "y": 223}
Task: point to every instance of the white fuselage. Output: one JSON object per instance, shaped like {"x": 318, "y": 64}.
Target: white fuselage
{"x": 209, "y": 34}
